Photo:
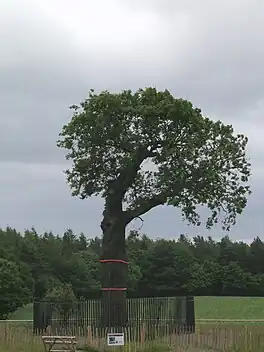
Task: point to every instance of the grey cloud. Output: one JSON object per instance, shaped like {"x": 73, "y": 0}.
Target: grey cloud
{"x": 53, "y": 53}
{"x": 38, "y": 196}
{"x": 223, "y": 67}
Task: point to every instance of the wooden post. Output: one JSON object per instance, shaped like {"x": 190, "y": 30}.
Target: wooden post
{"x": 142, "y": 334}
{"x": 89, "y": 336}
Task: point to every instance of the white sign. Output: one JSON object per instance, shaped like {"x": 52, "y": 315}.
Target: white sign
{"x": 115, "y": 339}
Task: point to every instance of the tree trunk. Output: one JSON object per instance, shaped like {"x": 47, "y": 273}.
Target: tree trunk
{"x": 113, "y": 270}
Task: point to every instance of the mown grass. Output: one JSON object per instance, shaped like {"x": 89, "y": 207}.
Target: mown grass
{"x": 24, "y": 313}
{"x": 212, "y": 336}
{"x": 229, "y": 308}
{"x": 205, "y": 308}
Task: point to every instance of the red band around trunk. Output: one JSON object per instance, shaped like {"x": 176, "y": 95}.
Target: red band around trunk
{"x": 114, "y": 289}
{"x": 113, "y": 261}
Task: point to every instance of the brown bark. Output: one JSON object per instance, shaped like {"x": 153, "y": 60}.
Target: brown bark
{"x": 113, "y": 275}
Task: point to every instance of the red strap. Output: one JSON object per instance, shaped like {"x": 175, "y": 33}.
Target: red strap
{"x": 113, "y": 261}
{"x": 114, "y": 289}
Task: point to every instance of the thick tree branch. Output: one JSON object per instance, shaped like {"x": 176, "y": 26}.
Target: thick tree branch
{"x": 144, "y": 207}
{"x": 127, "y": 175}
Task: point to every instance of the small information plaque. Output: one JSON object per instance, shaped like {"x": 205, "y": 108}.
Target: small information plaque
{"x": 115, "y": 339}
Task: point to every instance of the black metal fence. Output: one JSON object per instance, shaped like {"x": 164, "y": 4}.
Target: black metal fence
{"x": 176, "y": 312}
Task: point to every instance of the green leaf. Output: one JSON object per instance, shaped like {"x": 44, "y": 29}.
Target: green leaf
{"x": 149, "y": 148}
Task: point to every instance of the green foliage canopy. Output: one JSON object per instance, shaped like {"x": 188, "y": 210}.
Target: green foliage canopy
{"x": 152, "y": 149}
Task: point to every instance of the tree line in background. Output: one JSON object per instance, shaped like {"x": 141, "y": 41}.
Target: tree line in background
{"x": 51, "y": 267}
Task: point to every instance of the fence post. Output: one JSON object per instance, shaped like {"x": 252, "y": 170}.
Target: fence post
{"x": 142, "y": 334}
{"x": 89, "y": 336}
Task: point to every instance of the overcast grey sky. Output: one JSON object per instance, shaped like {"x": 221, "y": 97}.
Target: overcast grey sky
{"x": 53, "y": 52}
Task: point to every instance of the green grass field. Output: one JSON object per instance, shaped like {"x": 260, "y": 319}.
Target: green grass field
{"x": 229, "y": 308}
{"x": 211, "y": 335}
{"x": 24, "y": 313}
{"x": 205, "y": 308}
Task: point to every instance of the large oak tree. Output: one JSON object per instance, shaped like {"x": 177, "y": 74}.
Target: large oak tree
{"x": 144, "y": 149}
